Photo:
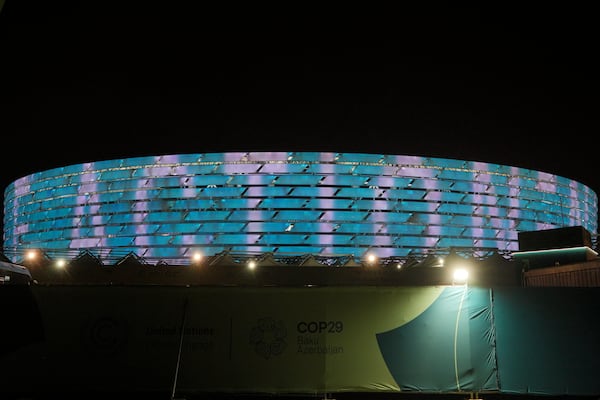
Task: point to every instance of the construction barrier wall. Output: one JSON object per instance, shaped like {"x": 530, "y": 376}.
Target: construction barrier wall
{"x": 274, "y": 340}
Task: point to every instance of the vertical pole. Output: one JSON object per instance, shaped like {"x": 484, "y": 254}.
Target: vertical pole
{"x": 181, "y": 334}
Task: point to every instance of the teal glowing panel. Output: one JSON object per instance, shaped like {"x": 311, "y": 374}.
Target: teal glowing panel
{"x": 167, "y": 207}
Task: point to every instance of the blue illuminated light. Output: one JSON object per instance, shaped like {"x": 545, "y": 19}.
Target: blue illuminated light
{"x": 319, "y": 203}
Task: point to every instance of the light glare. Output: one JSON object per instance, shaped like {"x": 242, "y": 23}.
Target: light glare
{"x": 371, "y": 258}
{"x": 460, "y": 275}
{"x": 197, "y": 257}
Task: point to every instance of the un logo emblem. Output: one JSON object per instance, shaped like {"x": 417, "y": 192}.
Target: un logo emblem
{"x": 104, "y": 336}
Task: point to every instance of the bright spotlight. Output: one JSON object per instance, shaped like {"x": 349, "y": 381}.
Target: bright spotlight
{"x": 371, "y": 259}
{"x": 31, "y": 254}
{"x": 197, "y": 257}
{"x": 251, "y": 264}
{"x": 460, "y": 275}
{"x": 60, "y": 263}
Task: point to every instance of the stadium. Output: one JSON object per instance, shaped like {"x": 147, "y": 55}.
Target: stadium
{"x": 167, "y": 208}
{"x": 134, "y": 316}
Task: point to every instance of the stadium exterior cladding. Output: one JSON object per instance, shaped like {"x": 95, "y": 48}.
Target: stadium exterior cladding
{"x": 166, "y": 207}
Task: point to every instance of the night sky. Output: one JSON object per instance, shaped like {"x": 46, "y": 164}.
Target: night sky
{"x": 101, "y": 80}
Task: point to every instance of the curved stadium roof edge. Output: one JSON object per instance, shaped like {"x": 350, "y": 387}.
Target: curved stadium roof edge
{"x": 169, "y": 206}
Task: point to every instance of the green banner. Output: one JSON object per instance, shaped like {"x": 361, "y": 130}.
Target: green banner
{"x": 234, "y": 339}
{"x": 305, "y": 340}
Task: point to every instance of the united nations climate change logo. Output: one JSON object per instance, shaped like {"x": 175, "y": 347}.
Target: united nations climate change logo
{"x": 105, "y": 336}
{"x": 268, "y": 337}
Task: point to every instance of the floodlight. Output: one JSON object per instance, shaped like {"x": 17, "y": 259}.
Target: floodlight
{"x": 197, "y": 257}
{"x": 460, "y": 276}
{"x": 371, "y": 259}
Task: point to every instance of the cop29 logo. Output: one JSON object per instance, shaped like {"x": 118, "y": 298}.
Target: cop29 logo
{"x": 268, "y": 337}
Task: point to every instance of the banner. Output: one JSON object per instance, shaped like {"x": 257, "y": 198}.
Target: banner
{"x": 275, "y": 340}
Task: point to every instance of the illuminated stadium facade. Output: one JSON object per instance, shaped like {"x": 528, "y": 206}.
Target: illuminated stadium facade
{"x": 167, "y": 207}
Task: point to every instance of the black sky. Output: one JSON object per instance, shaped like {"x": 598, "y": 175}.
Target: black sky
{"x": 87, "y": 81}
